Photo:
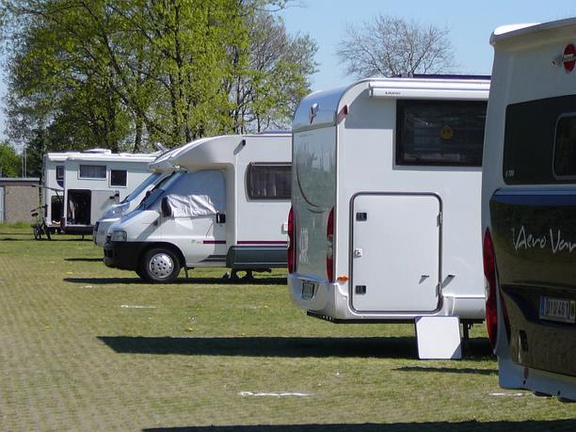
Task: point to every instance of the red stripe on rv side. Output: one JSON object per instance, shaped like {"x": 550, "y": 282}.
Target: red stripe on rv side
{"x": 248, "y": 242}
{"x": 264, "y": 242}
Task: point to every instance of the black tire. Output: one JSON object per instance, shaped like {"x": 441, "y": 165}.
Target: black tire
{"x": 47, "y": 231}
{"x": 37, "y": 233}
{"x": 159, "y": 265}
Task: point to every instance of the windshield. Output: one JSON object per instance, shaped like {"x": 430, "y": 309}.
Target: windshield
{"x": 146, "y": 184}
{"x": 153, "y": 195}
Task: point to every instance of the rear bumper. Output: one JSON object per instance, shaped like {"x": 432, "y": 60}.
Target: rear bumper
{"x": 123, "y": 255}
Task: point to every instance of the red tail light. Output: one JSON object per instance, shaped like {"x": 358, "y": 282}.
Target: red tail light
{"x": 493, "y": 293}
{"x": 330, "y": 246}
{"x": 490, "y": 275}
{"x": 291, "y": 241}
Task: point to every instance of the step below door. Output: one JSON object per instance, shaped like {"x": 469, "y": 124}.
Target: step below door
{"x": 395, "y": 252}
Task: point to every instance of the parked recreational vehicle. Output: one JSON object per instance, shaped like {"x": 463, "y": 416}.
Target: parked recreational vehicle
{"x": 160, "y": 169}
{"x": 226, "y": 206}
{"x": 529, "y": 207}
{"x": 78, "y": 186}
{"x": 385, "y": 211}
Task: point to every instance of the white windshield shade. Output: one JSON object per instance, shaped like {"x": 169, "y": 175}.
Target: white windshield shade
{"x": 198, "y": 193}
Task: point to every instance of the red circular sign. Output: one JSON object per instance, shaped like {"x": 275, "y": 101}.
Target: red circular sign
{"x": 569, "y": 58}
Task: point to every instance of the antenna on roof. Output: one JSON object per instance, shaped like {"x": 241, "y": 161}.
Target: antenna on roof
{"x": 160, "y": 147}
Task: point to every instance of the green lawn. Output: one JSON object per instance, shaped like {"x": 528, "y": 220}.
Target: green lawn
{"x": 88, "y": 348}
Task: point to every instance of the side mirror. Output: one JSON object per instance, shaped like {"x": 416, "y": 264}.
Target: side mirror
{"x": 165, "y": 207}
{"x": 220, "y": 218}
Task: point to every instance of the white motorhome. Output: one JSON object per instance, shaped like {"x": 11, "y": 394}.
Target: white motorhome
{"x": 78, "y": 186}
{"x": 385, "y": 215}
{"x": 529, "y": 207}
{"x": 226, "y": 206}
{"x": 160, "y": 169}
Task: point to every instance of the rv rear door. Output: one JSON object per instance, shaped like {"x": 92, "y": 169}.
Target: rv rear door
{"x": 395, "y": 252}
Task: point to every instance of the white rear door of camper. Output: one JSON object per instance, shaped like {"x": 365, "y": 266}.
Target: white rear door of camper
{"x": 395, "y": 252}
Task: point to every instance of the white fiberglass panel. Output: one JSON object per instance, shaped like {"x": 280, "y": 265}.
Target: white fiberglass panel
{"x": 395, "y": 252}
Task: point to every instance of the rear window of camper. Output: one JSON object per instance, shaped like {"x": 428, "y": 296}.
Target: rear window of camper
{"x": 540, "y": 142}
{"x": 268, "y": 181}
{"x": 432, "y": 132}
{"x": 92, "y": 171}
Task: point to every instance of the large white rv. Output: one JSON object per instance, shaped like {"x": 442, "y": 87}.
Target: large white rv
{"x": 78, "y": 186}
{"x": 529, "y": 207}
{"x": 226, "y": 206}
{"x": 385, "y": 215}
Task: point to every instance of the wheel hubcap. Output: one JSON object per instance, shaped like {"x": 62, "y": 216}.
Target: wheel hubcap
{"x": 161, "y": 266}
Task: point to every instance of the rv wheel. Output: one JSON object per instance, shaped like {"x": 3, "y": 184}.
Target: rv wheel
{"x": 159, "y": 265}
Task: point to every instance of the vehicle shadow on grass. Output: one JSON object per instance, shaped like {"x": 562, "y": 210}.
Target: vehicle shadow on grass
{"x": 293, "y": 347}
{"x": 468, "y": 426}
{"x": 99, "y": 260}
{"x": 183, "y": 281}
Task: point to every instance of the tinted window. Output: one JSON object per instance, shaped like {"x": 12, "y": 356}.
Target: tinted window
{"x": 118, "y": 177}
{"x": 269, "y": 181}
{"x": 60, "y": 175}
{"x": 540, "y": 142}
{"x": 93, "y": 171}
{"x": 565, "y": 146}
{"x": 440, "y": 132}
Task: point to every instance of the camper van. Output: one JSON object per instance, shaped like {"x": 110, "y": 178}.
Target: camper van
{"x": 529, "y": 207}
{"x": 77, "y": 187}
{"x": 160, "y": 169}
{"x": 385, "y": 215}
{"x": 225, "y": 206}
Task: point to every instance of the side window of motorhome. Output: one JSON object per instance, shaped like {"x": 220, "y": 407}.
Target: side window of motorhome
{"x": 268, "y": 181}
{"x": 92, "y": 171}
{"x": 565, "y": 147}
{"x": 60, "y": 175}
{"x": 445, "y": 133}
{"x": 118, "y": 177}
{"x": 540, "y": 142}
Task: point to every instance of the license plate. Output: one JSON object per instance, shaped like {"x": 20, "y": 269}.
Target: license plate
{"x": 307, "y": 291}
{"x": 557, "y": 309}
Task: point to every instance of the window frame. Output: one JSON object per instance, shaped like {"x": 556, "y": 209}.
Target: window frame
{"x": 250, "y": 179}
{"x": 468, "y": 152}
{"x": 555, "y": 173}
{"x": 92, "y": 168}
{"x": 114, "y": 172}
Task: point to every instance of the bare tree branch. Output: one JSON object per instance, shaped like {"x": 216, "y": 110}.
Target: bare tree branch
{"x": 391, "y": 46}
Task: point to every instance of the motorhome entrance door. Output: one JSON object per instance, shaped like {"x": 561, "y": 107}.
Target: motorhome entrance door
{"x": 395, "y": 252}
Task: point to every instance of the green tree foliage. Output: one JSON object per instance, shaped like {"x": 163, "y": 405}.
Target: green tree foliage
{"x": 9, "y": 161}
{"x": 122, "y": 74}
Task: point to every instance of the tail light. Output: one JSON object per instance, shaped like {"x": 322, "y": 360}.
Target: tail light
{"x": 330, "y": 246}
{"x": 291, "y": 241}
{"x": 492, "y": 292}
{"x": 490, "y": 275}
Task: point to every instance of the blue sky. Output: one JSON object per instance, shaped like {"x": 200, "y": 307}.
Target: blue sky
{"x": 470, "y": 24}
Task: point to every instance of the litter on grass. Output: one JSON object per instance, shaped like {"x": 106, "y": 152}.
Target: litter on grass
{"x": 273, "y": 394}
{"x": 137, "y": 307}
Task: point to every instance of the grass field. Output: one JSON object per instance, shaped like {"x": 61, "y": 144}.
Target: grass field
{"x": 88, "y": 348}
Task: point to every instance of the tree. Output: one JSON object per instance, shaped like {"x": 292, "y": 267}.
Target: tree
{"x": 265, "y": 94}
{"x": 9, "y": 161}
{"x": 122, "y": 74}
{"x": 392, "y": 46}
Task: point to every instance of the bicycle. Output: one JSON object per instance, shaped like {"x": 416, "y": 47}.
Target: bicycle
{"x": 40, "y": 228}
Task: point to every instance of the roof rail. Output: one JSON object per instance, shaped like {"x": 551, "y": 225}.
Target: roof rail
{"x": 441, "y": 76}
